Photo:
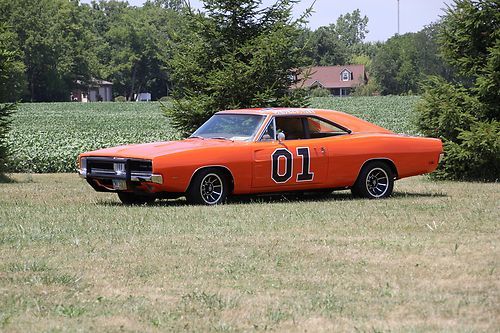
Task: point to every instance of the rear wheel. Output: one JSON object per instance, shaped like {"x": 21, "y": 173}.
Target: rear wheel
{"x": 375, "y": 181}
{"x": 129, "y": 198}
{"x": 208, "y": 187}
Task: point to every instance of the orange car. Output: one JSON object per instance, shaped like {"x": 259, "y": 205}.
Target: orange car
{"x": 254, "y": 151}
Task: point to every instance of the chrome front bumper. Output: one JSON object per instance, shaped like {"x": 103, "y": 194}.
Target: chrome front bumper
{"x": 134, "y": 177}
{"x": 121, "y": 170}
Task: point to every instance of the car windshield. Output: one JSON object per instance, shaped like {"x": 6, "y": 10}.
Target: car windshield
{"x": 238, "y": 127}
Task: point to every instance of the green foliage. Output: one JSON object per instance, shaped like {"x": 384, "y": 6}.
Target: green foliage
{"x": 120, "y": 99}
{"x": 370, "y": 89}
{"x": 445, "y": 109}
{"x": 404, "y": 62}
{"x": 6, "y": 111}
{"x": 467, "y": 117}
{"x": 319, "y": 92}
{"x": 351, "y": 28}
{"x": 337, "y": 43}
{"x": 235, "y": 56}
{"x": 475, "y": 155}
{"x": 12, "y": 80}
{"x": 134, "y": 44}
{"x": 323, "y": 47}
{"x": 395, "y": 113}
{"x": 56, "y": 47}
{"x": 48, "y": 137}
{"x": 469, "y": 30}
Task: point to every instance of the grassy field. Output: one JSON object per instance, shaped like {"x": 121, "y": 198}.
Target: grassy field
{"x": 47, "y": 137}
{"x": 424, "y": 260}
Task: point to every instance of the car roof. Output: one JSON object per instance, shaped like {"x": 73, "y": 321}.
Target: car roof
{"x": 348, "y": 121}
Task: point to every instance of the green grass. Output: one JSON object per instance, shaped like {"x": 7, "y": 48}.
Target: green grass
{"x": 47, "y": 137}
{"x": 424, "y": 260}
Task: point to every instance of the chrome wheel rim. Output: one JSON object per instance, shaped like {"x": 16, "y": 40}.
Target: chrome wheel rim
{"x": 377, "y": 182}
{"x": 211, "y": 188}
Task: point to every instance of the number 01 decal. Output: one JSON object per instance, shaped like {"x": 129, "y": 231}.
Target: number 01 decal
{"x": 283, "y": 155}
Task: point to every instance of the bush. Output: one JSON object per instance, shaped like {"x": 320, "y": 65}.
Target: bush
{"x": 477, "y": 156}
{"x": 5, "y": 112}
{"x": 320, "y": 92}
{"x": 467, "y": 119}
{"x": 472, "y": 145}
{"x": 120, "y": 99}
{"x": 165, "y": 99}
{"x": 369, "y": 89}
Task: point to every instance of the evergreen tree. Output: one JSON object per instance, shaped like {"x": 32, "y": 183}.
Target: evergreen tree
{"x": 236, "y": 55}
{"x": 466, "y": 117}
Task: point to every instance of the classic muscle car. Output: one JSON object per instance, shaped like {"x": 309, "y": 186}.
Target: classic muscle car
{"x": 256, "y": 151}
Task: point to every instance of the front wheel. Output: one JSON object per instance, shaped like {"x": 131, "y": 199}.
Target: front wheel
{"x": 129, "y": 198}
{"x": 208, "y": 187}
{"x": 375, "y": 181}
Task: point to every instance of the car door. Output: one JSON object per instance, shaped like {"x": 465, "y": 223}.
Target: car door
{"x": 294, "y": 163}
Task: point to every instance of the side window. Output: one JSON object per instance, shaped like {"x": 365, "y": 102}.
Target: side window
{"x": 321, "y": 129}
{"x": 269, "y": 133}
{"x": 292, "y": 127}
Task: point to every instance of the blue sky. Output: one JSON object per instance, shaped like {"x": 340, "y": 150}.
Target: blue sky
{"x": 382, "y": 14}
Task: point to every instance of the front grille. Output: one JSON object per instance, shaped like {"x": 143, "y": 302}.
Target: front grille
{"x": 93, "y": 164}
{"x": 141, "y": 166}
{"x": 120, "y": 168}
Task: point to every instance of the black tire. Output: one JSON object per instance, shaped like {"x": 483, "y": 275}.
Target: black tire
{"x": 208, "y": 187}
{"x": 375, "y": 181}
{"x": 129, "y": 198}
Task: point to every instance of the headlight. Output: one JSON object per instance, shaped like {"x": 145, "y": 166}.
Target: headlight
{"x": 83, "y": 167}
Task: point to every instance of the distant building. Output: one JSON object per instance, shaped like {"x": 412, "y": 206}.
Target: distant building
{"x": 142, "y": 97}
{"x": 95, "y": 91}
{"x": 339, "y": 80}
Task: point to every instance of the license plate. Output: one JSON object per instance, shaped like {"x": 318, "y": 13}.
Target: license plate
{"x": 119, "y": 184}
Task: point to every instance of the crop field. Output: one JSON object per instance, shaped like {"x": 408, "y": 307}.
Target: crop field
{"x": 425, "y": 260}
{"x": 47, "y": 137}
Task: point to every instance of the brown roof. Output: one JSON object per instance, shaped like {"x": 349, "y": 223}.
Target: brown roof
{"x": 330, "y": 76}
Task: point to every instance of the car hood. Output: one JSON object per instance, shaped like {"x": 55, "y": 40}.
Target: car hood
{"x": 156, "y": 149}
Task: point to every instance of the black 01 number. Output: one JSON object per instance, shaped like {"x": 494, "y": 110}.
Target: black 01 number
{"x": 283, "y": 155}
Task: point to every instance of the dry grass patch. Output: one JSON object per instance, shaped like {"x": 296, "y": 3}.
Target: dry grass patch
{"x": 426, "y": 259}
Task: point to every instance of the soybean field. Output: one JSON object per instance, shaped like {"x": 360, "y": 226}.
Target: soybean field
{"x": 47, "y": 137}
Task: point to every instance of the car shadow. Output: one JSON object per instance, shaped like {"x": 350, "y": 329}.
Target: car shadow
{"x": 281, "y": 198}
{"x": 4, "y": 179}
{"x": 418, "y": 195}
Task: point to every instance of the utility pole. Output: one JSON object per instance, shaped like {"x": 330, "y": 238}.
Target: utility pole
{"x": 398, "y": 17}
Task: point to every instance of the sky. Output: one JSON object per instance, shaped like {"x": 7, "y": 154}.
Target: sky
{"x": 382, "y": 14}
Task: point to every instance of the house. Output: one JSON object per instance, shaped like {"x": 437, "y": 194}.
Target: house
{"x": 339, "y": 80}
{"x": 95, "y": 91}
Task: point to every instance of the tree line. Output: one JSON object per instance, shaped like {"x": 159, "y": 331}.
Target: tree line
{"x": 56, "y": 46}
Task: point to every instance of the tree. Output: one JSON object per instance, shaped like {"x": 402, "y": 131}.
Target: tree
{"x": 405, "y": 61}
{"x": 324, "y": 47}
{"x": 5, "y": 112}
{"x": 466, "y": 116}
{"x": 12, "y": 81}
{"x": 337, "y": 43}
{"x": 134, "y": 45}
{"x": 352, "y": 28}
{"x": 55, "y": 46}
{"x": 235, "y": 56}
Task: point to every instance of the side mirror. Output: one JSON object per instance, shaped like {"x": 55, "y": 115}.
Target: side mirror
{"x": 281, "y": 137}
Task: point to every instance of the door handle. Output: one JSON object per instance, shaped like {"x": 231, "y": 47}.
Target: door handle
{"x": 323, "y": 150}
